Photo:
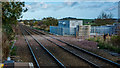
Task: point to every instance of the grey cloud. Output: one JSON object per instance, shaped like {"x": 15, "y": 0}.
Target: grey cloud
{"x": 34, "y": 6}
{"x": 64, "y": 4}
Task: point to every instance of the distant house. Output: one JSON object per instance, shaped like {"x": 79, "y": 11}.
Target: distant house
{"x": 66, "y": 27}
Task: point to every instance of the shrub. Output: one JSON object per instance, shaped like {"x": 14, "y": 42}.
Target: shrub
{"x": 91, "y": 39}
{"x": 115, "y": 40}
{"x": 13, "y": 52}
{"x": 103, "y": 45}
{"x": 113, "y": 46}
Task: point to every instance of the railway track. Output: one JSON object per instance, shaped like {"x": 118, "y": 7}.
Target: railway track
{"x": 37, "y": 58}
{"x": 66, "y": 58}
{"x": 93, "y": 59}
{"x": 34, "y": 57}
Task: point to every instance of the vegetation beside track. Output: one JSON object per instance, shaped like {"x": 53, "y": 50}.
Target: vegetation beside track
{"x": 112, "y": 44}
{"x": 13, "y": 51}
{"x": 10, "y": 18}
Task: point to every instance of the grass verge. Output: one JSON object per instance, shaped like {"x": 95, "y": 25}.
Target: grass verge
{"x": 13, "y": 50}
{"x": 105, "y": 44}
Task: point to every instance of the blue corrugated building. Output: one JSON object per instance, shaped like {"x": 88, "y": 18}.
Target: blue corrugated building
{"x": 65, "y": 27}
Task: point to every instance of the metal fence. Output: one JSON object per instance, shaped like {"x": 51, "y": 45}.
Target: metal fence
{"x": 56, "y": 30}
{"x": 100, "y": 30}
{"x": 62, "y": 31}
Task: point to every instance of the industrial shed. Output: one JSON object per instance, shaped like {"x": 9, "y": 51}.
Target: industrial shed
{"x": 66, "y": 27}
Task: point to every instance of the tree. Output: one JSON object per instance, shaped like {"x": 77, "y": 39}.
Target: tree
{"x": 35, "y": 23}
{"x": 11, "y": 12}
{"x": 104, "y": 19}
{"x": 26, "y": 22}
{"x": 50, "y": 21}
{"x": 31, "y": 23}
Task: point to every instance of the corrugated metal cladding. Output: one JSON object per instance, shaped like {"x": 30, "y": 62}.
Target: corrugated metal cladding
{"x": 65, "y": 27}
{"x": 62, "y": 31}
{"x": 69, "y": 23}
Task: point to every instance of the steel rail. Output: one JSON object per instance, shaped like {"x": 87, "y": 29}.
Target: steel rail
{"x": 30, "y": 49}
{"x": 90, "y": 53}
{"x": 100, "y": 57}
{"x": 62, "y": 65}
{"x": 93, "y": 64}
{"x": 73, "y": 53}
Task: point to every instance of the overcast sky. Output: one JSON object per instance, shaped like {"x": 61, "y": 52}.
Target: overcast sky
{"x": 61, "y": 9}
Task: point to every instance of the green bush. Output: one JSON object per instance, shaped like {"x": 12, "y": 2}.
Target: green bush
{"x": 91, "y": 39}
{"x": 97, "y": 40}
{"x": 115, "y": 40}
{"x": 113, "y": 45}
{"x": 103, "y": 45}
{"x": 13, "y": 52}
{"x": 9, "y": 31}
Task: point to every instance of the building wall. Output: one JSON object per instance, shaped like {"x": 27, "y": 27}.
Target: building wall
{"x": 62, "y": 31}
{"x": 66, "y": 27}
{"x": 56, "y": 30}
{"x": 63, "y": 23}
{"x": 70, "y": 23}
{"x": 66, "y": 31}
{"x": 75, "y": 23}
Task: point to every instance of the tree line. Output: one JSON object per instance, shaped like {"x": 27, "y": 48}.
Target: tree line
{"x": 43, "y": 24}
